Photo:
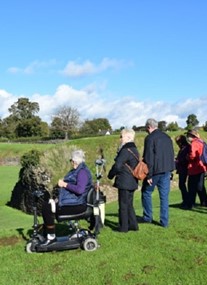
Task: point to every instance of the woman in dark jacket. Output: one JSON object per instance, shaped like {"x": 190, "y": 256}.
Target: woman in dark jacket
{"x": 125, "y": 181}
{"x": 181, "y": 163}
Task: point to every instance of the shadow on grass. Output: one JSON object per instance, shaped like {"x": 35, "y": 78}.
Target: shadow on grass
{"x": 109, "y": 223}
{"x": 21, "y": 233}
{"x": 197, "y": 208}
{"x": 177, "y": 206}
{"x": 141, "y": 221}
{"x": 114, "y": 225}
{"x": 61, "y": 230}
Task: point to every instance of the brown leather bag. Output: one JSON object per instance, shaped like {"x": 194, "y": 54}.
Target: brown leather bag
{"x": 141, "y": 169}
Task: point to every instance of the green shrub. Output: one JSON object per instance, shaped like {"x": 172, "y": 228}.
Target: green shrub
{"x": 31, "y": 158}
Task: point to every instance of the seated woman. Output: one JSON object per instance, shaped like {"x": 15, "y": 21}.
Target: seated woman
{"x": 72, "y": 195}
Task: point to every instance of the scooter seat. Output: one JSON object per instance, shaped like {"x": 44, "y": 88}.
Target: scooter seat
{"x": 83, "y": 215}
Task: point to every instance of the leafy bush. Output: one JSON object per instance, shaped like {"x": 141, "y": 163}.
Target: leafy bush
{"x": 31, "y": 158}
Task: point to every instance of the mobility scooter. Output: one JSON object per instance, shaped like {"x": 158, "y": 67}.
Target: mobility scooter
{"x": 78, "y": 237}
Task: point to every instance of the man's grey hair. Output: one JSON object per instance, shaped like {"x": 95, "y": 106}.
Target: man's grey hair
{"x": 78, "y": 156}
{"x": 151, "y": 123}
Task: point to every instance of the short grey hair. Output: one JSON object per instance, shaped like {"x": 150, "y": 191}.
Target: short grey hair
{"x": 78, "y": 156}
{"x": 151, "y": 123}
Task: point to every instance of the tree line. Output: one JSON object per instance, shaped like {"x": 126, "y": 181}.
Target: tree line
{"x": 23, "y": 122}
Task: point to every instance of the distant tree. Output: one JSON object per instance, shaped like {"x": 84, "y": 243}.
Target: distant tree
{"x": 31, "y": 128}
{"x": 95, "y": 126}
{"x": 205, "y": 127}
{"x": 86, "y": 128}
{"x": 139, "y": 129}
{"x": 1, "y": 127}
{"x": 44, "y": 129}
{"x": 9, "y": 125}
{"x": 67, "y": 120}
{"x": 55, "y": 130}
{"x": 173, "y": 126}
{"x": 23, "y": 109}
{"x": 162, "y": 125}
{"x": 192, "y": 122}
{"x": 22, "y": 121}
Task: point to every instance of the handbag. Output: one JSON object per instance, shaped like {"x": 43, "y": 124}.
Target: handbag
{"x": 141, "y": 169}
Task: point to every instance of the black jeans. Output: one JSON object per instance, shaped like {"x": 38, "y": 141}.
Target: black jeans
{"x": 49, "y": 217}
{"x": 183, "y": 188}
{"x": 127, "y": 216}
{"x": 196, "y": 186}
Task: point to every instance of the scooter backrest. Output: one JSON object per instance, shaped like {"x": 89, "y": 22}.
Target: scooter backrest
{"x": 90, "y": 196}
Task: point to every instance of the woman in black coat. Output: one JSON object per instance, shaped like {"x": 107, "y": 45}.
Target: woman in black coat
{"x": 125, "y": 181}
{"x": 181, "y": 163}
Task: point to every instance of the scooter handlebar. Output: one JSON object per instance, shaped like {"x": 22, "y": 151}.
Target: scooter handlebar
{"x": 99, "y": 162}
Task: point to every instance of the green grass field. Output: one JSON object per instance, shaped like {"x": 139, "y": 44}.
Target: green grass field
{"x": 153, "y": 255}
{"x": 8, "y": 176}
{"x": 176, "y": 255}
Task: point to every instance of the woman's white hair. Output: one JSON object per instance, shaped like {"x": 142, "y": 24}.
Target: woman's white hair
{"x": 78, "y": 156}
{"x": 129, "y": 134}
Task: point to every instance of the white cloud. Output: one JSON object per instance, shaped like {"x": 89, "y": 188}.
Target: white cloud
{"x": 6, "y": 99}
{"x": 32, "y": 67}
{"x": 126, "y": 111}
{"x": 74, "y": 69}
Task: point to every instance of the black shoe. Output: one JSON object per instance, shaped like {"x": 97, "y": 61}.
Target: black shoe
{"x": 185, "y": 207}
{"x": 48, "y": 242}
{"x": 133, "y": 229}
{"x": 141, "y": 220}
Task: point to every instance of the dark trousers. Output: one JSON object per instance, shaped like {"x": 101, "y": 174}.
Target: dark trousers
{"x": 196, "y": 186}
{"x": 49, "y": 217}
{"x": 183, "y": 188}
{"x": 127, "y": 216}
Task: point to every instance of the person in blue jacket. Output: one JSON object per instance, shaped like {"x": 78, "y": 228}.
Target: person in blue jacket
{"x": 72, "y": 195}
{"x": 125, "y": 181}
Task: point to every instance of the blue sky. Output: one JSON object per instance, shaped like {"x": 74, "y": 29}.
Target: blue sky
{"x": 121, "y": 60}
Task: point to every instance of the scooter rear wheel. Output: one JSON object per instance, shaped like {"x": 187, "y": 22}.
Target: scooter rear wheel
{"x": 90, "y": 244}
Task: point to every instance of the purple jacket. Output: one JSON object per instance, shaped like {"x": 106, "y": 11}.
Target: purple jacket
{"x": 79, "y": 183}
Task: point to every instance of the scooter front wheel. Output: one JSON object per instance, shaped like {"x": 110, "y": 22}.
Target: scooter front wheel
{"x": 90, "y": 244}
{"x": 30, "y": 247}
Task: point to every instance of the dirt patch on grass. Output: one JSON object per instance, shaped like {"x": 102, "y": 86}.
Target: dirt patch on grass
{"x": 9, "y": 240}
{"x": 110, "y": 192}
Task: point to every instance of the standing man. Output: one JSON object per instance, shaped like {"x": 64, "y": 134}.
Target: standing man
{"x": 159, "y": 156}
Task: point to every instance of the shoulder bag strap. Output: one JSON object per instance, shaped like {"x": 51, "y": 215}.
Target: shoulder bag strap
{"x": 129, "y": 167}
{"x": 133, "y": 154}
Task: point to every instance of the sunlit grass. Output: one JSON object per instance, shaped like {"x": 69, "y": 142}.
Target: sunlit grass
{"x": 153, "y": 255}
{"x": 176, "y": 255}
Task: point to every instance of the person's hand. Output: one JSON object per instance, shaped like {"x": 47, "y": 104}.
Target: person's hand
{"x": 61, "y": 183}
{"x": 149, "y": 181}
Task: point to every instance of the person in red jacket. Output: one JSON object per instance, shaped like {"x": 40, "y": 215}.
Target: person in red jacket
{"x": 196, "y": 170}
